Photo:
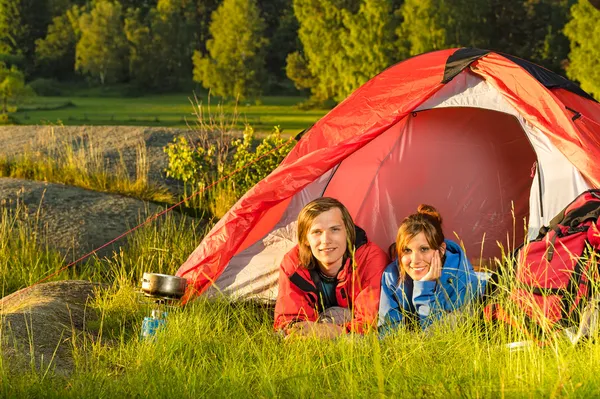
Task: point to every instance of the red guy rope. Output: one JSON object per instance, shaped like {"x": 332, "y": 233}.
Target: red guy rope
{"x": 155, "y": 216}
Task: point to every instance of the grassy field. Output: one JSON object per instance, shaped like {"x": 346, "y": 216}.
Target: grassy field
{"x": 171, "y": 110}
{"x": 215, "y": 348}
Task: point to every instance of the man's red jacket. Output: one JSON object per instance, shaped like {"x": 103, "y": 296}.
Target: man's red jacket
{"x": 357, "y": 289}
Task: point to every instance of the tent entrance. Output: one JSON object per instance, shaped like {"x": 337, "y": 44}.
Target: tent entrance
{"x": 474, "y": 165}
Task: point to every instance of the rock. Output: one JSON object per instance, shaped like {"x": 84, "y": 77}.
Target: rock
{"x": 41, "y": 323}
{"x": 75, "y": 221}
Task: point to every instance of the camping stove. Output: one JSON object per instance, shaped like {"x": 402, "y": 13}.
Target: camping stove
{"x": 162, "y": 291}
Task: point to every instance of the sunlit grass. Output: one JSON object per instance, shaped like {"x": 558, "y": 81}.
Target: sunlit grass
{"x": 221, "y": 349}
{"x": 171, "y": 110}
{"x": 79, "y": 161}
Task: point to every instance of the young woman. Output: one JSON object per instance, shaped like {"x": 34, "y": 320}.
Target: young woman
{"x": 329, "y": 284}
{"x": 430, "y": 277}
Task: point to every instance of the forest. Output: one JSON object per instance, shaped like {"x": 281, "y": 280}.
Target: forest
{"x": 323, "y": 49}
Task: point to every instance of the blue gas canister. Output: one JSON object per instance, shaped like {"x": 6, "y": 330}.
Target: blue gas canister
{"x": 151, "y": 324}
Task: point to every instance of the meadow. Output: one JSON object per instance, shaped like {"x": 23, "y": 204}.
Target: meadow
{"x": 169, "y": 110}
{"x": 218, "y": 348}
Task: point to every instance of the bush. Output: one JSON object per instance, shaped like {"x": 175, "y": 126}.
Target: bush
{"x": 198, "y": 166}
{"x": 5, "y": 119}
{"x": 46, "y": 87}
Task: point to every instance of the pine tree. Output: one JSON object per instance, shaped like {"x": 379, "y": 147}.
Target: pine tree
{"x": 235, "y": 63}
{"x": 584, "y": 33}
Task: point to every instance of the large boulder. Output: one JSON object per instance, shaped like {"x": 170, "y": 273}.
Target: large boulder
{"x": 40, "y": 324}
{"x": 74, "y": 221}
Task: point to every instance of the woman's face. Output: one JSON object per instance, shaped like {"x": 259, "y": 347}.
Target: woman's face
{"x": 415, "y": 258}
{"x": 327, "y": 240}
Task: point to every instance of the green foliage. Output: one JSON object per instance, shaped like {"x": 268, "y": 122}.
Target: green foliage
{"x": 320, "y": 32}
{"x": 345, "y": 43}
{"x": 281, "y": 30}
{"x": 531, "y": 29}
{"x": 437, "y": 24}
{"x": 584, "y": 32}
{"x": 55, "y": 53}
{"x": 162, "y": 41}
{"x": 102, "y": 50}
{"x": 46, "y": 87}
{"x": 198, "y": 166}
{"x": 21, "y": 23}
{"x": 369, "y": 44}
{"x": 12, "y": 87}
{"x": 234, "y": 65}
{"x": 254, "y": 168}
{"x": 10, "y": 26}
{"x": 296, "y": 69}
{"x": 190, "y": 164}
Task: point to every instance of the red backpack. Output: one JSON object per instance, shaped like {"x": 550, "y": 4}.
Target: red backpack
{"x": 550, "y": 284}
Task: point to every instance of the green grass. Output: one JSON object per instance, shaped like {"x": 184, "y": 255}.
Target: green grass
{"x": 170, "y": 110}
{"x": 214, "y": 348}
{"x": 220, "y": 349}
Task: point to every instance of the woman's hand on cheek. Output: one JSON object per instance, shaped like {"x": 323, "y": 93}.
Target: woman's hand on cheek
{"x": 435, "y": 268}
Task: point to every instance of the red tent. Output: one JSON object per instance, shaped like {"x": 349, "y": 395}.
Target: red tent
{"x": 491, "y": 140}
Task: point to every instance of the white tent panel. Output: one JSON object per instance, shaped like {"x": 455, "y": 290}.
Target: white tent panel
{"x": 561, "y": 181}
{"x": 254, "y": 272}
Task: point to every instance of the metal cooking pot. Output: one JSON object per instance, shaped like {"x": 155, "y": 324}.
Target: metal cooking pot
{"x": 163, "y": 285}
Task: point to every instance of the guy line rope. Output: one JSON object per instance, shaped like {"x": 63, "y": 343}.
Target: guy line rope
{"x": 156, "y": 215}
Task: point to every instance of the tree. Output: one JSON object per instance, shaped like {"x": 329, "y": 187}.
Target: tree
{"x": 10, "y": 26}
{"x": 584, "y": 33}
{"x": 55, "y": 53}
{"x": 429, "y": 25}
{"x": 345, "y": 43}
{"x": 12, "y": 87}
{"x": 281, "y": 27}
{"x": 22, "y": 22}
{"x": 235, "y": 64}
{"x": 102, "y": 50}
{"x": 144, "y": 65}
{"x": 297, "y": 70}
{"x": 162, "y": 41}
{"x": 531, "y": 29}
{"x": 369, "y": 44}
{"x": 320, "y": 31}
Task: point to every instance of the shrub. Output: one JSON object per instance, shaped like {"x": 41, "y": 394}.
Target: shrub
{"x": 46, "y": 87}
{"x": 197, "y": 165}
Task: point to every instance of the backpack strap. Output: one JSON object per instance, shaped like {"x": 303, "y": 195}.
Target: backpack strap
{"x": 311, "y": 290}
{"x": 589, "y": 210}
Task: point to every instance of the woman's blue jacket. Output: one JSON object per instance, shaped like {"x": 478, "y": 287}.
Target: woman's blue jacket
{"x": 429, "y": 300}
